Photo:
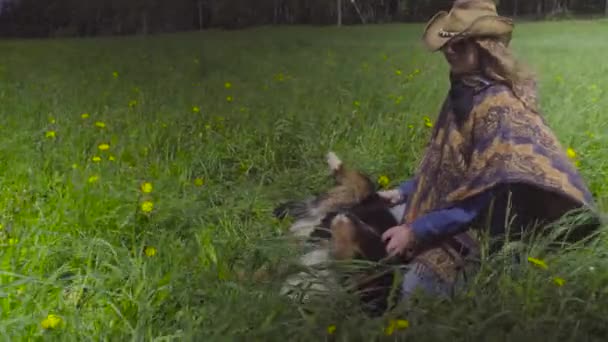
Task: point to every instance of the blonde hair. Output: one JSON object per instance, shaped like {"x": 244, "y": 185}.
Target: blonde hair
{"x": 497, "y": 62}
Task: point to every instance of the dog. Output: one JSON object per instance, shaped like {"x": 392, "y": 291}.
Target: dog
{"x": 343, "y": 224}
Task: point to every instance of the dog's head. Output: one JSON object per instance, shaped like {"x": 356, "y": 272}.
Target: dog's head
{"x": 350, "y": 214}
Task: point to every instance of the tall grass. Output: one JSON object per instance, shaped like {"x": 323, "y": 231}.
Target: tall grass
{"x": 224, "y": 125}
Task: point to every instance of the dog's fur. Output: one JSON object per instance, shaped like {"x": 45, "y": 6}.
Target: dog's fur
{"x": 343, "y": 224}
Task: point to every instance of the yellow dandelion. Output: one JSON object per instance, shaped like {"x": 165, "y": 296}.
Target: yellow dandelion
{"x": 416, "y": 72}
{"x": 331, "y": 329}
{"x": 150, "y": 251}
{"x": 227, "y": 85}
{"x": 100, "y": 124}
{"x": 93, "y": 179}
{"x": 402, "y": 324}
{"x": 398, "y": 72}
{"x": 111, "y": 158}
{"x": 196, "y": 109}
{"x": 571, "y": 152}
{"x": 146, "y": 187}
{"x": 51, "y": 322}
{"x": 199, "y": 182}
{"x": 357, "y": 104}
{"x": 559, "y": 281}
{"x": 229, "y": 98}
{"x": 12, "y": 241}
{"x": 398, "y": 324}
{"x": 427, "y": 122}
{"x": 50, "y": 134}
{"x": 103, "y": 147}
{"x": 132, "y": 103}
{"x": 537, "y": 262}
{"x": 96, "y": 159}
{"x": 115, "y": 74}
{"x": 383, "y": 181}
{"x": 147, "y": 206}
{"x": 84, "y": 115}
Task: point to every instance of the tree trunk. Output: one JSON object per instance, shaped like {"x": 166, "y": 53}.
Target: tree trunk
{"x": 339, "y": 4}
{"x": 200, "y": 14}
{"x": 144, "y": 22}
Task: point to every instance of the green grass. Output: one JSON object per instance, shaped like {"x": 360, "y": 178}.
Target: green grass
{"x": 296, "y": 93}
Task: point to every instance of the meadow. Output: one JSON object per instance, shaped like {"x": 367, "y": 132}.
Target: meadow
{"x": 139, "y": 174}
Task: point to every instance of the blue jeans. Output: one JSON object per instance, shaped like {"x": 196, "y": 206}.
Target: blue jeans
{"x": 419, "y": 278}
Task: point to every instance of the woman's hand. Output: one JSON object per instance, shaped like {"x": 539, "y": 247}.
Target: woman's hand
{"x": 393, "y": 196}
{"x": 400, "y": 238}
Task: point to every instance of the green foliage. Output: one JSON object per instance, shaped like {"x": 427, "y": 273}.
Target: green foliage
{"x": 225, "y": 125}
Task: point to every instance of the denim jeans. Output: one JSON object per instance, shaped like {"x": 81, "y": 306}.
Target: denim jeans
{"x": 420, "y": 278}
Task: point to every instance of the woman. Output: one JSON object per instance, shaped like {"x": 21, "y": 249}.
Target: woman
{"x": 491, "y": 158}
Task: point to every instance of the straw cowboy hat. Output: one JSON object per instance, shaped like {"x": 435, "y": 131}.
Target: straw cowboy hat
{"x": 467, "y": 18}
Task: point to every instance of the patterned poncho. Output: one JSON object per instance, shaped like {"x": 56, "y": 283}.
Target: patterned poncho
{"x": 496, "y": 138}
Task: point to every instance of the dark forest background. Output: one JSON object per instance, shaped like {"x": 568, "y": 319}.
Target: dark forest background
{"x": 56, "y": 18}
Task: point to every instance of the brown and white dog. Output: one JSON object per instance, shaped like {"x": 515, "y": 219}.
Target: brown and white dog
{"x": 343, "y": 224}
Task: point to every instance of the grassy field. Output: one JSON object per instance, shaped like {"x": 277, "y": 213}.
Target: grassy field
{"x": 223, "y": 125}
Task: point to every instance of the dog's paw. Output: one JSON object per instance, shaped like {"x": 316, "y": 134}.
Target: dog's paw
{"x": 333, "y": 162}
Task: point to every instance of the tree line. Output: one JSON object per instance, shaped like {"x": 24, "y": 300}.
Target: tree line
{"x": 53, "y": 18}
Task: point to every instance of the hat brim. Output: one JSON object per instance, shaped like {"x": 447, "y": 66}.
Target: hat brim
{"x": 490, "y": 25}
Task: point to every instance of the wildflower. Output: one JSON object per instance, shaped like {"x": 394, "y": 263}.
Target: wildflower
{"x": 398, "y": 72}
{"x": 199, "y": 182}
{"x": 416, "y": 71}
{"x": 147, "y": 206}
{"x": 398, "y": 324}
{"x": 150, "y": 251}
{"x": 427, "y": 122}
{"x": 132, "y": 103}
{"x": 84, "y": 115}
{"x": 538, "y": 263}
{"x": 52, "y": 120}
{"x": 50, "y": 134}
{"x": 93, "y": 179}
{"x": 229, "y": 98}
{"x": 12, "y": 241}
{"x": 331, "y": 329}
{"x": 51, "y": 322}
{"x": 383, "y": 181}
{"x": 196, "y": 109}
{"x": 74, "y": 166}
{"x": 100, "y": 124}
{"x": 227, "y": 85}
{"x": 96, "y": 159}
{"x": 146, "y": 187}
{"x": 357, "y": 104}
{"x": 115, "y": 74}
{"x": 111, "y": 158}
{"x": 571, "y": 152}
{"x": 103, "y": 147}
{"x": 559, "y": 281}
